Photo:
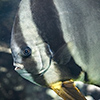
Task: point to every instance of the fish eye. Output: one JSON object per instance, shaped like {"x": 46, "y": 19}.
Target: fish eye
{"x": 26, "y": 52}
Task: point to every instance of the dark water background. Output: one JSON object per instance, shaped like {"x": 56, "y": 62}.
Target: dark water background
{"x": 12, "y": 86}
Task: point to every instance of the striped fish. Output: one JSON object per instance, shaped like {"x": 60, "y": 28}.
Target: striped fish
{"x": 55, "y": 40}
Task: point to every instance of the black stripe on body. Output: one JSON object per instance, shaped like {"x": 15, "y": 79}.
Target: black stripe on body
{"x": 45, "y": 16}
{"x": 47, "y": 21}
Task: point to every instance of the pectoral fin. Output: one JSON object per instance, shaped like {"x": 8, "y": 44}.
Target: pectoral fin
{"x": 62, "y": 56}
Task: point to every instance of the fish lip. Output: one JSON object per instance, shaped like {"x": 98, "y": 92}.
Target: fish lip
{"x": 18, "y": 66}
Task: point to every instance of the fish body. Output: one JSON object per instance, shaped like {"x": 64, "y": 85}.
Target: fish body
{"x": 57, "y": 40}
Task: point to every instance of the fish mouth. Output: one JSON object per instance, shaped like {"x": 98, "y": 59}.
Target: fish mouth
{"x": 18, "y": 66}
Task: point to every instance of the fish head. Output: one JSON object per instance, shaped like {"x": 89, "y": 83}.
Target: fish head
{"x": 31, "y": 58}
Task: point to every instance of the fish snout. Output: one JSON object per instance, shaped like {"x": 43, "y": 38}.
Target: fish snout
{"x": 18, "y": 66}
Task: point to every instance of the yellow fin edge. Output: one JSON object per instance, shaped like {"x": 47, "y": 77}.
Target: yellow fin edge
{"x": 67, "y": 90}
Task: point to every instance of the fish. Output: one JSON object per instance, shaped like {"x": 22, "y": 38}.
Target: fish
{"x": 57, "y": 40}
{"x": 38, "y": 48}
